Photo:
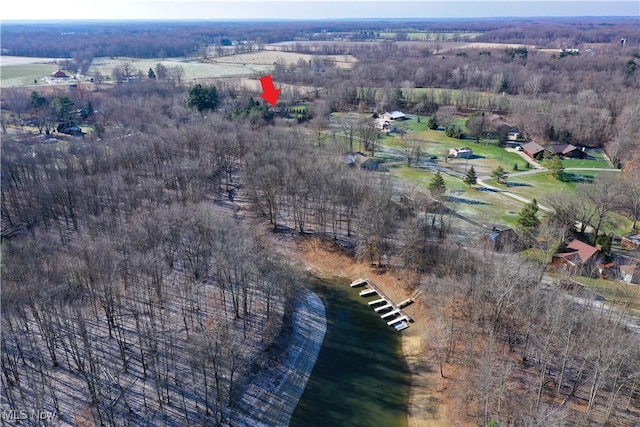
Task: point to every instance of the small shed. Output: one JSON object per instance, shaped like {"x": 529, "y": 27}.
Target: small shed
{"x": 630, "y": 274}
{"x": 363, "y": 162}
{"x": 393, "y": 115}
{"x": 503, "y": 239}
{"x": 461, "y": 153}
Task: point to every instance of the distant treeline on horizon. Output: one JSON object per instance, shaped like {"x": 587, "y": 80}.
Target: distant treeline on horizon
{"x": 166, "y": 39}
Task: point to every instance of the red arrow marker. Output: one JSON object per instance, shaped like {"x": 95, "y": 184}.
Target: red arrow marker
{"x": 269, "y": 93}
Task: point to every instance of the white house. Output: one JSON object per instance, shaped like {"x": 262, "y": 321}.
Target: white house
{"x": 461, "y": 153}
{"x": 393, "y": 115}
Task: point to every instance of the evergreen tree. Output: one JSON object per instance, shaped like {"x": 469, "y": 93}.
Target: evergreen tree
{"x": 151, "y": 74}
{"x": 400, "y": 101}
{"x": 554, "y": 164}
{"x": 500, "y": 175}
{"x": 528, "y": 217}
{"x": 202, "y": 98}
{"x": 432, "y": 123}
{"x": 62, "y": 105}
{"x": 437, "y": 186}
{"x": 90, "y": 110}
{"x": 454, "y": 131}
{"x": 36, "y": 100}
{"x": 471, "y": 179}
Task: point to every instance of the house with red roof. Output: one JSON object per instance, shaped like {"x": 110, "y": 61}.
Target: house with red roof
{"x": 578, "y": 257}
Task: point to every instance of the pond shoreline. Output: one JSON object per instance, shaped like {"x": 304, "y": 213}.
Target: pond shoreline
{"x": 272, "y": 397}
{"x": 429, "y": 405}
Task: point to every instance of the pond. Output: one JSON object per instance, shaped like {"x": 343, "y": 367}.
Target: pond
{"x": 360, "y": 377}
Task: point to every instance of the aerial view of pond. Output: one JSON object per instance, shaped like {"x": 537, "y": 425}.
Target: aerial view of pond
{"x": 360, "y": 377}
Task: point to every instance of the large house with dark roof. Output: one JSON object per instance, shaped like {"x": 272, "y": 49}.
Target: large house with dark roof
{"x": 567, "y": 150}
{"x": 536, "y": 151}
{"x": 533, "y": 150}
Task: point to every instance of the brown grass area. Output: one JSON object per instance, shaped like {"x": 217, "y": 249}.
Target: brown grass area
{"x": 429, "y": 403}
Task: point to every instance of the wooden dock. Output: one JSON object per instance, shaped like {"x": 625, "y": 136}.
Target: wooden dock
{"x": 359, "y": 282}
{"x": 384, "y": 306}
{"x": 398, "y": 320}
{"x": 390, "y": 314}
{"x": 405, "y": 303}
{"x": 377, "y": 301}
{"x": 368, "y": 292}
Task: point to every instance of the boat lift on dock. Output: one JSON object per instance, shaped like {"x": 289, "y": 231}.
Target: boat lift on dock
{"x": 398, "y": 319}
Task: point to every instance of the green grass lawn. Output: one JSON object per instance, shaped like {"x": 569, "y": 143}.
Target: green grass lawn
{"x": 423, "y": 176}
{"x": 537, "y": 185}
{"x": 541, "y": 184}
{"x": 484, "y": 207}
{"x": 615, "y": 292}
{"x": 20, "y": 75}
{"x": 599, "y": 162}
{"x": 486, "y": 148}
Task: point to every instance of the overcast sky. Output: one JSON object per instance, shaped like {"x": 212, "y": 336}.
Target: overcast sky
{"x": 307, "y": 9}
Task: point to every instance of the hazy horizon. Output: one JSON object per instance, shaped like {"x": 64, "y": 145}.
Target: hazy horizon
{"x": 41, "y": 10}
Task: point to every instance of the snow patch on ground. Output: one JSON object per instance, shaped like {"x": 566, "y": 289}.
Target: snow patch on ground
{"x": 272, "y": 398}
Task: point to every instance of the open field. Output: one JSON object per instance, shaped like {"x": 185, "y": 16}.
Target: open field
{"x": 270, "y": 57}
{"x": 193, "y": 70}
{"x": 25, "y": 74}
{"x": 486, "y": 207}
{"x": 22, "y": 60}
{"x": 479, "y": 45}
{"x": 21, "y": 71}
{"x": 433, "y": 36}
{"x": 487, "y": 156}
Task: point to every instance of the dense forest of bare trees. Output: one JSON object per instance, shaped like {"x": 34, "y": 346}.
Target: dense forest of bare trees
{"x": 126, "y": 258}
{"x": 141, "y": 286}
{"x": 176, "y": 39}
{"x": 495, "y": 315}
{"x": 124, "y": 267}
